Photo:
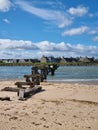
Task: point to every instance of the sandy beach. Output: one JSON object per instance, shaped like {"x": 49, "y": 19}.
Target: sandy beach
{"x": 60, "y": 106}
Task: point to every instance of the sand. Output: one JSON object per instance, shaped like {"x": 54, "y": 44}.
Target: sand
{"x": 60, "y": 106}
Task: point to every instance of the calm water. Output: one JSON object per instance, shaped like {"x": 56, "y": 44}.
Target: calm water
{"x": 14, "y": 72}
{"x": 76, "y": 73}
{"x": 66, "y": 73}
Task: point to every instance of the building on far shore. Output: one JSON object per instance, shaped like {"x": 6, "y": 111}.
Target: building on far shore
{"x": 86, "y": 59}
{"x": 51, "y": 59}
{"x": 44, "y": 59}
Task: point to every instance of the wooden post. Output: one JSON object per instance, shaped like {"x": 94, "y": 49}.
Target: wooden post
{"x": 21, "y": 93}
{"x": 11, "y": 89}
{"x": 42, "y": 77}
{"x": 43, "y": 73}
{"x": 37, "y": 79}
{"x": 52, "y": 68}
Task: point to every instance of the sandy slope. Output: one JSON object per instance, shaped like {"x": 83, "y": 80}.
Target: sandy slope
{"x": 61, "y": 106}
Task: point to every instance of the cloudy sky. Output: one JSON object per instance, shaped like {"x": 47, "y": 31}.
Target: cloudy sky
{"x": 33, "y": 28}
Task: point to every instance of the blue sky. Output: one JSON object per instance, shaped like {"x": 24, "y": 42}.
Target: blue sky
{"x": 33, "y": 28}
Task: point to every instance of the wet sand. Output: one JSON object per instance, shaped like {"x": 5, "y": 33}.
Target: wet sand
{"x": 61, "y": 106}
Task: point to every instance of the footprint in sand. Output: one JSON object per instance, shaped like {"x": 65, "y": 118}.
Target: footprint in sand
{"x": 16, "y": 112}
{"x": 35, "y": 112}
{"x": 7, "y": 109}
{"x": 46, "y": 126}
{"x": 53, "y": 113}
{"x": 75, "y": 116}
{"x": 58, "y": 123}
{"x": 13, "y": 118}
{"x": 8, "y": 115}
{"x": 35, "y": 123}
{"x": 88, "y": 127}
{"x": 13, "y": 128}
{"x": 43, "y": 119}
{"x": 45, "y": 113}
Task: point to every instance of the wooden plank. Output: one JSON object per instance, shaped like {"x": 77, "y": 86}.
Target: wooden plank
{"x": 32, "y": 76}
{"x": 5, "y": 98}
{"x": 30, "y": 91}
{"x": 24, "y": 83}
{"x": 10, "y": 89}
{"x": 19, "y": 84}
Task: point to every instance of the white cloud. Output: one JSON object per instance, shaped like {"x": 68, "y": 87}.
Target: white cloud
{"x": 95, "y": 39}
{"x": 79, "y": 11}
{"x": 45, "y": 46}
{"x": 8, "y": 44}
{"x": 27, "y": 49}
{"x": 50, "y": 46}
{"x": 59, "y": 18}
{"x": 6, "y": 21}
{"x": 5, "y": 5}
{"x": 93, "y": 31}
{"x": 76, "y": 31}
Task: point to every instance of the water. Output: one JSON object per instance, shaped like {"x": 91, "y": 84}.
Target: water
{"x": 14, "y": 72}
{"x": 63, "y": 73}
{"x": 75, "y": 73}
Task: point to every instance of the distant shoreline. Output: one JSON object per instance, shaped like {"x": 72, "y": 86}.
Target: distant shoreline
{"x": 59, "y": 64}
